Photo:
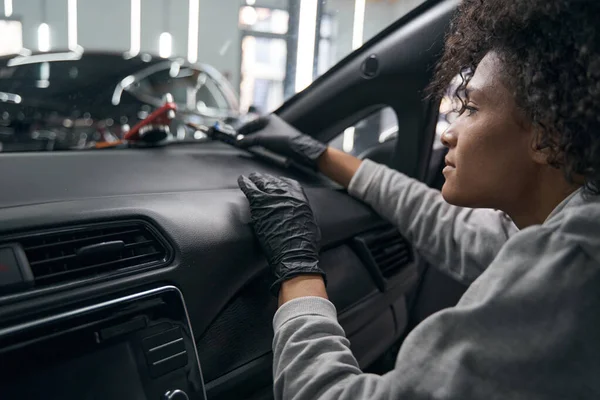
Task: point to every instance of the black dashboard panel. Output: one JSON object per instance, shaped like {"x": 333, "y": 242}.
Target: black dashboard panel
{"x": 190, "y": 193}
{"x": 136, "y": 346}
{"x": 32, "y": 178}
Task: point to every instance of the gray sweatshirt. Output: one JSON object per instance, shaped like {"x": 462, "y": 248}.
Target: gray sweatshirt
{"x": 528, "y": 327}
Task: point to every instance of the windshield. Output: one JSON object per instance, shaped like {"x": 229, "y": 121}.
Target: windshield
{"x": 82, "y": 74}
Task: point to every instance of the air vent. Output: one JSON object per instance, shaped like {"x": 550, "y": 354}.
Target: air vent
{"x": 390, "y": 251}
{"x": 384, "y": 250}
{"x": 91, "y": 250}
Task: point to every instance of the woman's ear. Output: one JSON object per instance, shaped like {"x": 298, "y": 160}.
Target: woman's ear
{"x": 541, "y": 150}
{"x": 541, "y": 155}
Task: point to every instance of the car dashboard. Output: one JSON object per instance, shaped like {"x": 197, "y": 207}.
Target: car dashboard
{"x": 122, "y": 251}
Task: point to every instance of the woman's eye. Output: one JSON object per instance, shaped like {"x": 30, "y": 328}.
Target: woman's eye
{"x": 470, "y": 110}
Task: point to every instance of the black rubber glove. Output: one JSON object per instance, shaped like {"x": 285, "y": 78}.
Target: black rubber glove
{"x": 285, "y": 226}
{"x": 280, "y": 137}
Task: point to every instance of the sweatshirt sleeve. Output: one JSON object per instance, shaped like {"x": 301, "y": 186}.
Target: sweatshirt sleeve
{"x": 311, "y": 354}
{"x": 460, "y": 241}
{"x": 511, "y": 336}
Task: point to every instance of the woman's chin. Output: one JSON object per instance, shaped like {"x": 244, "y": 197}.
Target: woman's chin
{"x": 453, "y": 195}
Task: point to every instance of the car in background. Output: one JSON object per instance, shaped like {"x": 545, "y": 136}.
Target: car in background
{"x": 66, "y": 100}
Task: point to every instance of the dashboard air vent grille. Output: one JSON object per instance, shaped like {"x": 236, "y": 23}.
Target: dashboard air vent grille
{"x": 389, "y": 250}
{"x": 90, "y": 250}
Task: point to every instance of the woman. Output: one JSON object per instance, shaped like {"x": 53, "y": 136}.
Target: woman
{"x": 527, "y": 142}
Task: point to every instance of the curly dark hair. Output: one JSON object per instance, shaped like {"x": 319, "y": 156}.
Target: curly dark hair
{"x": 550, "y": 55}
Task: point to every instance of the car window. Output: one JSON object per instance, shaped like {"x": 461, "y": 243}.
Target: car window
{"x": 377, "y": 128}
{"x": 275, "y": 65}
{"x": 382, "y": 126}
{"x": 70, "y": 69}
{"x": 449, "y": 110}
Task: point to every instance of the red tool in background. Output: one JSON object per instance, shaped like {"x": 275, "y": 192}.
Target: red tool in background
{"x": 155, "y": 127}
{"x": 151, "y": 130}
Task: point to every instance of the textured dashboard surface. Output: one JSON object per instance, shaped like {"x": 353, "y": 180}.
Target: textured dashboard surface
{"x": 191, "y": 194}
{"x": 30, "y": 178}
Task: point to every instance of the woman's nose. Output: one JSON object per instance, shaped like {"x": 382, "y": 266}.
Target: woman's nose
{"x": 448, "y": 138}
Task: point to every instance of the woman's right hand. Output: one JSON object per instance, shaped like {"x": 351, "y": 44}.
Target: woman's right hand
{"x": 280, "y": 137}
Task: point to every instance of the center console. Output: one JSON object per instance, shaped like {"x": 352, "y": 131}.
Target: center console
{"x": 137, "y": 346}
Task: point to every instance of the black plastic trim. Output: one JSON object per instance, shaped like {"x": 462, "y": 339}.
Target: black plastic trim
{"x": 17, "y": 329}
{"x": 246, "y": 376}
{"x": 361, "y": 247}
{"x": 70, "y": 284}
{"x": 370, "y": 67}
{"x": 24, "y": 268}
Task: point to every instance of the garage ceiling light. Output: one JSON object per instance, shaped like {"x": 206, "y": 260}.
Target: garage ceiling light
{"x": 165, "y": 45}
{"x": 306, "y": 43}
{"x": 194, "y": 11}
{"x": 44, "y": 37}
{"x": 359, "y": 24}
{"x": 8, "y": 8}
{"x": 136, "y": 27}
{"x": 72, "y": 24}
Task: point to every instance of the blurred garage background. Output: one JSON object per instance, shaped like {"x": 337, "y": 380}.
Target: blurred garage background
{"x": 268, "y": 50}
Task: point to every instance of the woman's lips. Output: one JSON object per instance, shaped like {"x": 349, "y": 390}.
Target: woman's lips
{"x": 449, "y": 166}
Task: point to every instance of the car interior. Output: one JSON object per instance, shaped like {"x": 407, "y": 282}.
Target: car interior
{"x": 135, "y": 274}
